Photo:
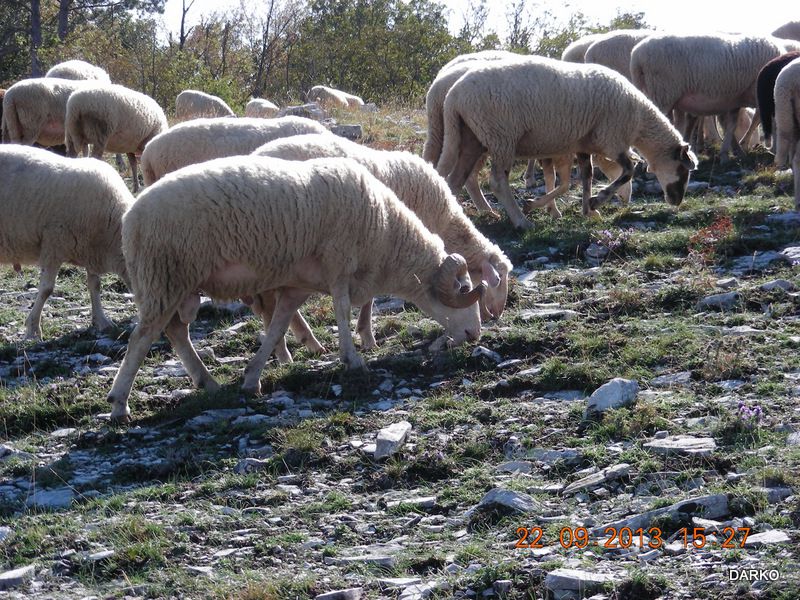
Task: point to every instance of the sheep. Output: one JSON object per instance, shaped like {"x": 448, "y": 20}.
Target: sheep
{"x": 78, "y": 69}
{"x": 613, "y": 49}
{"x": 765, "y": 90}
{"x": 547, "y": 108}
{"x": 246, "y": 225}
{"x": 328, "y": 97}
{"x": 34, "y": 109}
{"x": 200, "y": 140}
{"x": 114, "y": 118}
{"x": 788, "y": 31}
{"x": 787, "y": 122}
{"x": 54, "y": 210}
{"x": 258, "y": 107}
{"x": 576, "y": 51}
{"x": 420, "y": 188}
{"x": 193, "y": 104}
{"x": 703, "y": 75}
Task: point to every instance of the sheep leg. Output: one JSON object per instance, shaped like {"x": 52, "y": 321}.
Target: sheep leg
{"x": 474, "y": 189}
{"x": 470, "y": 160}
{"x": 796, "y": 175}
{"x": 364, "y": 327}
{"x": 289, "y": 300}
{"x": 302, "y": 332}
{"x": 612, "y": 170}
{"x": 134, "y": 171}
{"x": 747, "y": 138}
{"x": 263, "y": 306}
{"x": 142, "y": 337}
{"x": 178, "y": 335}
{"x": 530, "y": 178}
{"x": 562, "y": 164}
{"x": 347, "y": 349}
{"x": 608, "y": 192}
{"x": 585, "y": 171}
{"x": 99, "y": 319}
{"x": 498, "y": 180}
{"x": 729, "y": 142}
{"x": 47, "y": 281}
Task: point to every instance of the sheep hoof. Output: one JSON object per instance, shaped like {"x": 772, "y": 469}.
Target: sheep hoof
{"x": 210, "y": 385}
{"x": 120, "y": 413}
{"x": 355, "y": 363}
{"x": 525, "y": 224}
{"x": 252, "y": 390}
{"x": 103, "y": 326}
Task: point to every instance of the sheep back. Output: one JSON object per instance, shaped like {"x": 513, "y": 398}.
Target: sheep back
{"x": 329, "y": 97}
{"x": 34, "y": 110}
{"x": 613, "y": 49}
{"x": 259, "y": 107}
{"x": 200, "y": 140}
{"x": 194, "y": 104}
{"x": 59, "y": 209}
{"x": 789, "y": 31}
{"x": 576, "y": 51}
{"x": 115, "y": 117}
{"x": 78, "y": 69}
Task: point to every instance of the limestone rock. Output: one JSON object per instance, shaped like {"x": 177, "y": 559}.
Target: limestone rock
{"x": 391, "y": 439}
{"x": 616, "y": 393}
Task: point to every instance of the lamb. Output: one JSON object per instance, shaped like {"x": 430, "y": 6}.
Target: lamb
{"x": 34, "y": 110}
{"x": 54, "y": 210}
{"x": 200, "y": 140}
{"x": 613, "y": 49}
{"x": 258, "y": 107}
{"x": 78, "y": 69}
{"x": 546, "y": 108}
{"x": 703, "y": 75}
{"x": 193, "y": 104}
{"x": 420, "y": 188}
{"x": 765, "y": 90}
{"x": 114, "y": 118}
{"x": 787, "y": 122}
{"x": 329, "y": 97}
{"x": 576, "y": 51}
{"x": 242, "y": 226}
{"x": 788, "y": 31}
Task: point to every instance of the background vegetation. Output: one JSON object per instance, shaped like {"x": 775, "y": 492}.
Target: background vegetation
{"x": 386, "y": 51}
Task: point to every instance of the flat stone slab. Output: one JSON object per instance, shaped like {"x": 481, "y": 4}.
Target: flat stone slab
{"x": 726, "y": 301}
{"x": 616, "y": 393}
{"x": 348, "y": 594}
{"x": 576, "y": 580}
{"x": 548, "y": 314}
{"x": 391, "y": 439}
{"x": 51, "y": 499}
{"x": 398, "y": 583}
{"x": 776, "y": 536}
{"x": 683, "y": 445}
{"x": 15, "y": 578}
{"x": 758, "y": 261}
{"x": 516, "y": 466}
{"x": 681, "y": 379}
{"x": 514, "y": 501}
{"x": 597, "y": 479}
{"x": 552, "y": 457}
{"x": 367, "y": 559}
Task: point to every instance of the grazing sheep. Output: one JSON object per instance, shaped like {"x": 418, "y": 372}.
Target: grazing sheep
{"x": 112, "y": 118}
{"x": 243, "y": 226}
{"x": 193, "y": 104}
{"x": 765, "y": 90}
{"x": 789, "y": 31}
{"x": 200, "y": 140}
{"x": 420, "y": 188}
{"x": 55, "y": 210}
{"x": 576, "y": 51}
{"x": 787, "y": 122}
{"x": 543, "y": 108}
{"x": 328, "y": 97}
{"x": 34, "y": 110}
{"x": 613, "y": 49}
{"x": 703, "y": 75}
{"x": 258, "y": 107}
{"x": 78, "y": 69}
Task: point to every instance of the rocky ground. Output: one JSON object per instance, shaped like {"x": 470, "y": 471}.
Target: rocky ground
{"x": 628, "y": 429}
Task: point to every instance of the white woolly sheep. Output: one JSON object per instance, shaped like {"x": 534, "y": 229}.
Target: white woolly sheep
{"x": 55, "y": 210}
{"x": 34, "y": 110}
{"x": 328, "y": 97}
{"x": 613, "y": 49}
{"x": 241, "y": 226}
{"x": 765, "y": 90}
{"x": 703, "y": 75}
{"x": 576, "y": 51}
{"x": 194, "y": 104}
{"x": 261, "y": 108}
{"x": 787, "y": 122}
{"x": 788, "y": 31}
{"x": 78, "y": 69}
{"x": 112, "y": 118}
{"x": 421, "y": 189}
{"x": 200, "y": 140}
{"x": 543, "y": 108}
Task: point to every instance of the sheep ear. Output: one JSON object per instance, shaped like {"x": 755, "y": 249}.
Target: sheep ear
{"x": 688, "y": 158}
{"x": 490, "y": 274}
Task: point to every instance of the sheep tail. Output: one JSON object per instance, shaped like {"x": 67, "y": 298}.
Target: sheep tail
{"x": 433, "y": 144}
{"x": 11, "y": 128}
{"x": 452, "y": 140}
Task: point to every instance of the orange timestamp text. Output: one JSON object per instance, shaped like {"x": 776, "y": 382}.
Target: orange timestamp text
{"x": 626, "y": 537}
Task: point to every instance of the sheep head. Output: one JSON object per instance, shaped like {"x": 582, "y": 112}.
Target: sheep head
{"x": 453, "y": 285}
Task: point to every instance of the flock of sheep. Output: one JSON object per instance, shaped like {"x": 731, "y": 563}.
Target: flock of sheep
{"x": 272, "y": 209}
